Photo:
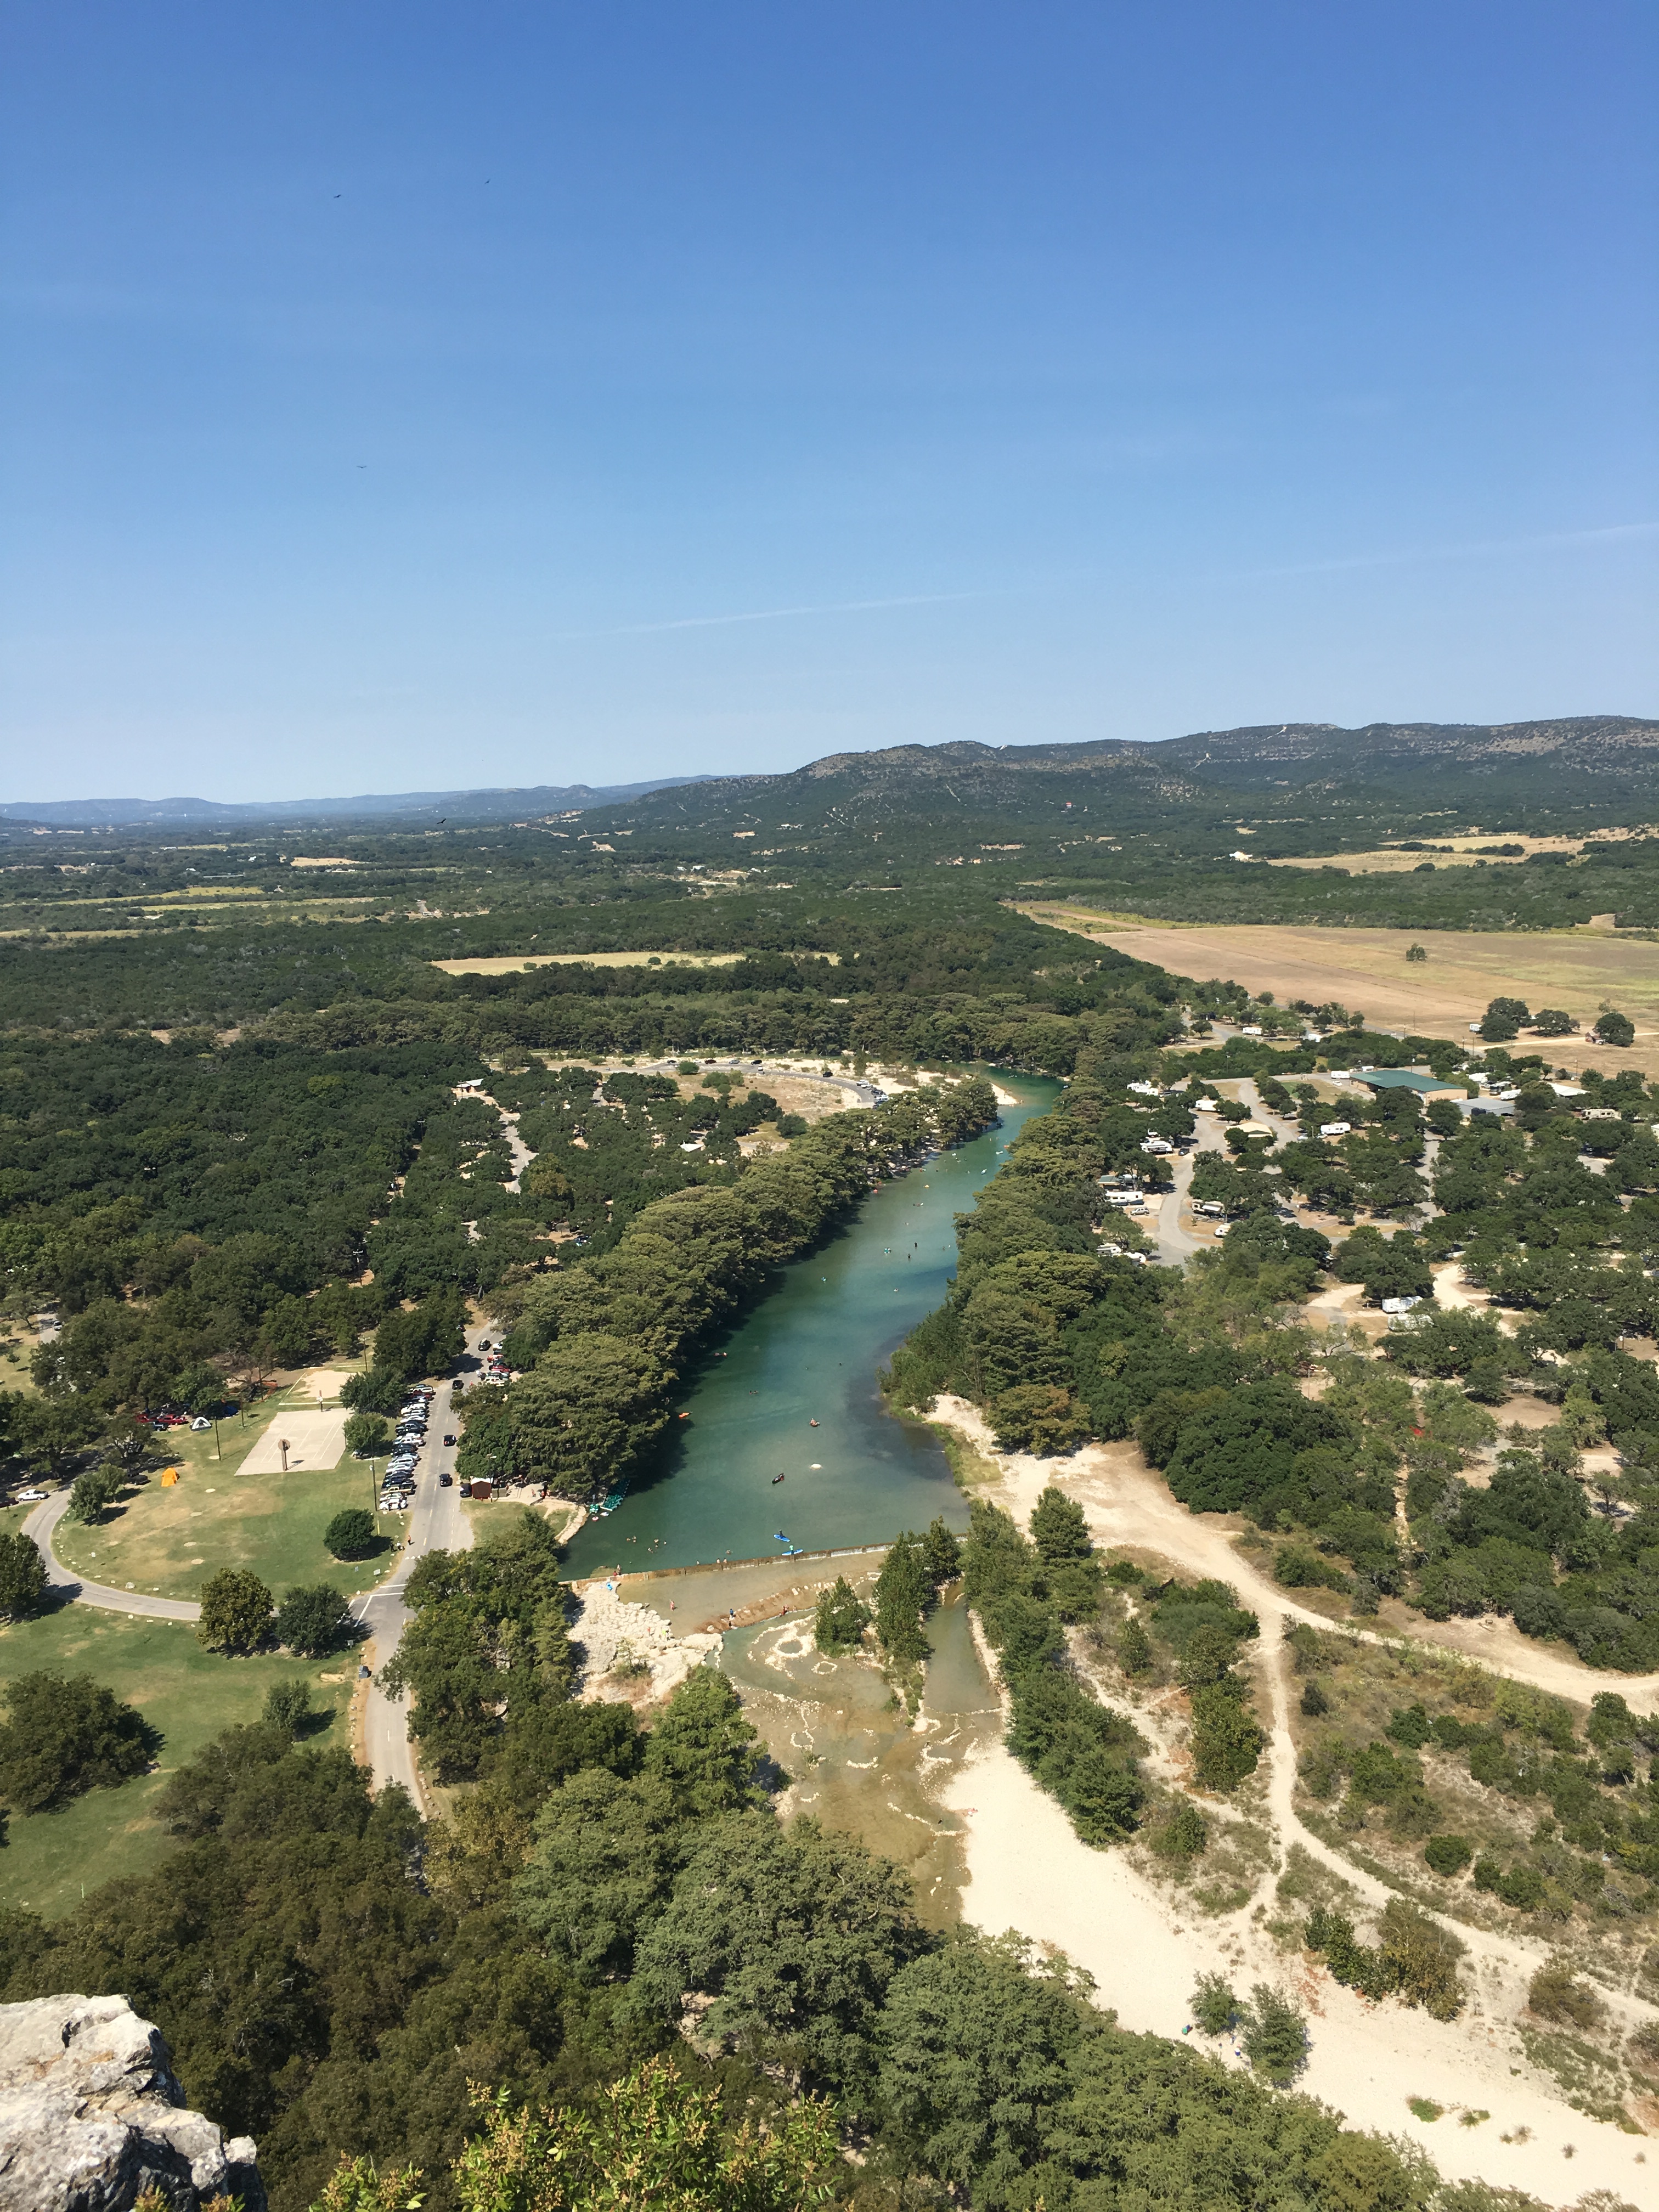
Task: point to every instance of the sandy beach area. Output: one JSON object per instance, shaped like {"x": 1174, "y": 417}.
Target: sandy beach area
{"x": 1146, "y": 1945}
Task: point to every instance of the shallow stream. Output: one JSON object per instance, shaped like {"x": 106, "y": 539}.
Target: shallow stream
{"x": 835, "y": 1728}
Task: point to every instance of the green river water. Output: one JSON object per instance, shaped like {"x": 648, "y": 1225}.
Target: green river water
{"x": 809, "y": 1350}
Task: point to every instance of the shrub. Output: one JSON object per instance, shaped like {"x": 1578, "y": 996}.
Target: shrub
{"x": 1313, "y": 1700}
{"x": 351, "y": 1535}
{"x": 314, "y": 1620}
{"x": 1226, "y": 1741}
{"x": 1184, "y": 1835}
{"x": 1413, "y": 1957}
{"x": 288, "y": 1706}
{"x": 1555, "y": 1994}
{"x": 1275, "y": 2036}
{"x": 1214, "y": 2006}
{"x": 235, "y": 1611}
{"x": 63, "y": 1735}
{"x": 1522, "y": 1887}
{"x": 1298, "y": 1566}
{"x": 1449, "y": 1854}
{"x": 1134, "y": 1649}
{"x": 1421, "y": 1959}
{"x": 22, "y": 1576}
{"x": 1410, "y": 1725}
{"x": 841, "y": 1618}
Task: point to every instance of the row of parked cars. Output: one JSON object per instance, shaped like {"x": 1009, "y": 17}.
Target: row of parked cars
{"x": 399, "y": 1479}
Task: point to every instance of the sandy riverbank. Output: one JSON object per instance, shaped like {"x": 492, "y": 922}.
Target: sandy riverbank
{"x": 1028, "y": 1871}
{"x": 1146, "y": 1945}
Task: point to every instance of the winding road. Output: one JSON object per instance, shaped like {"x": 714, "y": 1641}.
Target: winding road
{"x": 40, "y": 1527}
{"x": 436, "y": 1523}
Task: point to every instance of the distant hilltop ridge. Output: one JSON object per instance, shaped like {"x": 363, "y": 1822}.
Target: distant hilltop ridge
{"x": 1599, "y": 759}
{"x": 1487, "y": 769}
{"x": 489, "y": 804}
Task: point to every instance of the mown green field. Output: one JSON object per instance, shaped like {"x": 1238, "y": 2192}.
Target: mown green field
{"x": 189, "y": 1694}
{"x": 167, "y": 1539}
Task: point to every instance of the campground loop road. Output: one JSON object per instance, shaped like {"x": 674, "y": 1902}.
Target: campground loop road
{"x": 436, "y": 1523}
{"x": 39, "y": 1525}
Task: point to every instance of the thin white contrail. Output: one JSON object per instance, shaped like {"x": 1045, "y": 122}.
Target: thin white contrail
{"x": 1542, "y": 543}
{"x": 780, "y": 614}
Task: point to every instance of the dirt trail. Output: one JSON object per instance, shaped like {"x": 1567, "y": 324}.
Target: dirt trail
{"x": 1130, "y": 1506}
{"x": 1029, "y": 1870}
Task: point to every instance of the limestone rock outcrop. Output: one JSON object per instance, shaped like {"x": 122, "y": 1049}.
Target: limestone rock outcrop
{"x": 91, "y": 2115}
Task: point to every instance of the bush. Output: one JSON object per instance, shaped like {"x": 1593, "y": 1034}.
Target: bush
{"x": 366, "y": 1433}
{"x": 1315, "y": 1703}
{"x": 1134, "y": 1649}
{"x": 235, "y": 1612}
{"x": 1413, "y": 1957}
{"x": 1298, "y": 1566}
{"x": 314, "y": 1620}
{"x": 22, "y": 1576}
{"x": 1555, "y": 1994}
{"x": 351, "y": 1535}
{"x": 1214, "y": 2006}
{"x": 1184, "y": 1835}
{"x": 1449, "y": 1854}
{"x": 1275, "y": 2036}
{"x": 841, "y": 1618}
{"x": 1226, "y": 1741}
{"x": 62, "y": 1737}
{"x": 288, "y": 1706}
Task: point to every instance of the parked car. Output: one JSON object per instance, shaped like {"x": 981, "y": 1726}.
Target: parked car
{"x": 30, "y": 1497}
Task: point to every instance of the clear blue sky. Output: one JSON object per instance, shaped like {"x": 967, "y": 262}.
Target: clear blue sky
{"x": 414, "y": 395}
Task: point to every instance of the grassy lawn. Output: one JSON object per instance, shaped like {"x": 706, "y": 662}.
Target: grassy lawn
{"x": 189, "y": 1694}
{"x": 169, "y": 1539}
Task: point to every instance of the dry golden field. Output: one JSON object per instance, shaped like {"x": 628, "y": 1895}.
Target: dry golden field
{"x": 1367, "y": 969}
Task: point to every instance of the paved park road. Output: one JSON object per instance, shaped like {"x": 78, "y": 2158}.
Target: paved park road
{"x": 436, "y": 1523}
{"x": 39, "y": 1525}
